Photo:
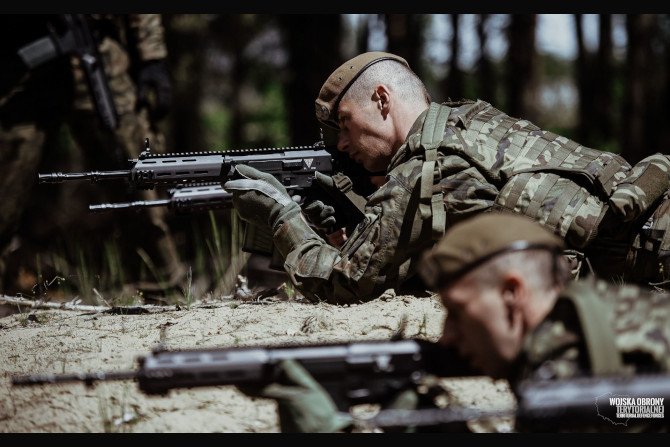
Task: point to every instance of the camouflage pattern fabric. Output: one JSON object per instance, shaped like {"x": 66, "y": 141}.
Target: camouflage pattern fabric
{"x": 384, "y": 249}
{"x": 487, "y": 161}
{"x": 125, "y": 40}
{"x": 640, "y": 323}
{"x": 145, "y": 31}
{"x": 550, "y": 178}
{"x": 641, "y": 188}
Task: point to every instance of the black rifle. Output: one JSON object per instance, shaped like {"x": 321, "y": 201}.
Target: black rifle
{"x": 183, "y": 199}
{"x": 75, "y": 38}
{"x": 352, "y": 373}
{"x": 554, "y": 405}
{"x": 294, "y": 167}
{"x": 187, "y": 199}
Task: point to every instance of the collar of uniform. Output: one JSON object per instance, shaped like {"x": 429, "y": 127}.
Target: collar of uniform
{"x": 411, "y": 142}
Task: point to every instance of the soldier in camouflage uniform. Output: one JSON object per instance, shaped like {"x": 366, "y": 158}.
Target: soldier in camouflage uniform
{"x": 35, "y": 103}
{"x": 447, "y": 162}
{"x": 514, "y": 314}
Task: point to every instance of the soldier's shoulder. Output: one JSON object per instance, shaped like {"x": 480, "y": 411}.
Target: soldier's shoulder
{"x": 604, "y": 288}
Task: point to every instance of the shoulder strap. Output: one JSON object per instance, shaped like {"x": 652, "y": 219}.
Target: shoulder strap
{"x": 432, "y": 133}
{"x": 599, "y": 337}
{"x": 345, "y": 186}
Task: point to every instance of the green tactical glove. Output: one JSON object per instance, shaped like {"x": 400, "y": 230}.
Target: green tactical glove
{"x": 320, "y": 215}
{"x": 260, "y": 199}
{"x": 303, "y": 405}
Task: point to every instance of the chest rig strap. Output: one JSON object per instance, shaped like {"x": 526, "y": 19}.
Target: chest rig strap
{"x": 598, "y": 333}
{"x": 431, "y": 204}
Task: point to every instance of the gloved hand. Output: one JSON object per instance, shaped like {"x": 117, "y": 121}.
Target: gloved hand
{"x": 320, "y": 215}
{"x": 154, "y": 89}
{"x": 260, "y": 199}
{"x": 303, "y": 404}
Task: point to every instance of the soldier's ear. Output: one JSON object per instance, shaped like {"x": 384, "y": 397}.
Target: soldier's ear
{"x": 383, "y": 98}
{"x": 513, "y": 297}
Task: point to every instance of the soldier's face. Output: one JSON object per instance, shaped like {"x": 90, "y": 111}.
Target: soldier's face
{"x": 480, "y": 326}
{"x": 364, "y": 134}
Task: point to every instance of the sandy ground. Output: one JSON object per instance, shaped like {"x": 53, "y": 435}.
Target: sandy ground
{"x": 69, "y": 341}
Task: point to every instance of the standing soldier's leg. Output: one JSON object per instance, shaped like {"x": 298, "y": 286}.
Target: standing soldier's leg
{"x": 20, "y": 152}
{"x": 102, "y": 150}
{"x": 147, "y": 229}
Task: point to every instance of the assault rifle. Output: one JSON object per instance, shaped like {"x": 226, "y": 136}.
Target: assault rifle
{"x": 554, "y": 405}
{"x": 294, "y": 167}
{"x": 183, "y": 199}
{"x": 72, "y": 35}
{"x": 187, "y": 199}
{"x": 373, "y": 372}
{"x": 352, "y": 373}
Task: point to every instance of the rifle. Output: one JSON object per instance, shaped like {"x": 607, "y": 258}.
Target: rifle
{"x": 75, "y": 39}
{"x": 551, "y": 405}
{"x": 183, "y": 199}
{"x": 352, "y": 373}
{"x": 294, "y": 167}
{"x": 186, "y": 199}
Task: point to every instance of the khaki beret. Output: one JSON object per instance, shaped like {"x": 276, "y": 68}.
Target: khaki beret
{"x": 341, "y": 79}
{"x": 471, "y": 242}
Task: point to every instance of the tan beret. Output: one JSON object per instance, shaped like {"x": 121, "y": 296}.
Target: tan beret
{"x": 478, "y": 239}
{"x": 341, "y": 79}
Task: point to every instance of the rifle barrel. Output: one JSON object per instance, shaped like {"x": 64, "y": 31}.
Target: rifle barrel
{"x": 128, "y": 205}
{"x": 88, "y": 378}
{"x": 59, "y": 177}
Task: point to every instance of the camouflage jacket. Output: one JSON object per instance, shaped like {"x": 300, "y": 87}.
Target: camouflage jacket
{"x": 614, "y": 214}
{"x": 467, "y": 157}
{"x": 383, "y": 250}
{"x": 597, "y": 328}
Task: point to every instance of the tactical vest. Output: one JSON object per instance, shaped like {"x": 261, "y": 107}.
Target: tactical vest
{"x": 559, "y": 183}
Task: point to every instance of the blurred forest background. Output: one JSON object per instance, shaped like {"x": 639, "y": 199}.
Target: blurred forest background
{"x": 250, "y": 80}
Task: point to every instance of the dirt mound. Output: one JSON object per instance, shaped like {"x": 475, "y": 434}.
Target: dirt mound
{"x": 69, "y": 341}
